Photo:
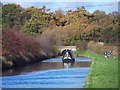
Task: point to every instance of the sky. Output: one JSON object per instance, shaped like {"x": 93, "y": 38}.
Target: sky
{"x": 53, "y": 5}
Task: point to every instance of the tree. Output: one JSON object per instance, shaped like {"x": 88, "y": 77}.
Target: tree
{"x": 35, "y": 25}
{"x": 8, "y": 12}
{"x": 58, "y": 15}
{"x": 22, "y": 17}
{"x": 1, "y": 14}
{"x": 44, "y": 8}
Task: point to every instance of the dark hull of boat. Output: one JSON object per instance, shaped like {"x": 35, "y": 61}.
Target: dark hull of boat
{"x": 68, "y": 60}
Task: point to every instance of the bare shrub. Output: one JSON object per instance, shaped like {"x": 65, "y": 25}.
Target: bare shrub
{"x": 101, "y": 48}
{"x": 21, "y": 49}
{"x": 91, "y": 45}
{"x": 82, "y": 46}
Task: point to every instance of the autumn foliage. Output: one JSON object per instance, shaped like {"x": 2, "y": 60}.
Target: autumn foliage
{"x": 33, "y": 34}
{"x": 19, "y": 49}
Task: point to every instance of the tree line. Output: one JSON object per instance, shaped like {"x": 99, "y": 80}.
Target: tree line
{"x": 33, "y": 34}
{"x": 77, "y": 25}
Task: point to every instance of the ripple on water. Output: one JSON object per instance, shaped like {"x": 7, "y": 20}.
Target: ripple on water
{"x": 57, "y": 78}
{"x": 77, "y": 59}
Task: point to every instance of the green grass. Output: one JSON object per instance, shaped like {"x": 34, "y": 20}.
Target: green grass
{"x": 103, "y": 72}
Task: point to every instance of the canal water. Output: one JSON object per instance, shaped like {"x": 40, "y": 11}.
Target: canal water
{"x": 51, "y": 73}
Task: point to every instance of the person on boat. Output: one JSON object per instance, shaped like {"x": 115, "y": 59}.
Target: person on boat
{"x": 70, "y": 53}
{"x": 64, "y": 51}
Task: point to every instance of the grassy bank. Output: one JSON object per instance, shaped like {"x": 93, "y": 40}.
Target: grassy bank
{"x": 103, "y": 72}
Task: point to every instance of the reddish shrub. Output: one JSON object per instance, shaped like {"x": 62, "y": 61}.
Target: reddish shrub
{"x": 20, "y": 49}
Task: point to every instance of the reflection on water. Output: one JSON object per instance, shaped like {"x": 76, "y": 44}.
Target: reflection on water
{"x": 54, "y": 63}
{"x": 67, "y": 65}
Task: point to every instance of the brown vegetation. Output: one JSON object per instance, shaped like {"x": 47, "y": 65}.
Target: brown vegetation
{"x": 100, "y": 48}
{"x": 19, "y": 49}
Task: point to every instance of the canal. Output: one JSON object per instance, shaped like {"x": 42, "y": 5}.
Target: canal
{"x": 51, "y": 73}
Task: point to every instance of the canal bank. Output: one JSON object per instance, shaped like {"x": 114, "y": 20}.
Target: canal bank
{"x": 103, "y": 72}
{"x": 23, "y": 61}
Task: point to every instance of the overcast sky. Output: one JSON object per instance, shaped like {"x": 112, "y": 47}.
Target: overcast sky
{"x": 108, "y": 7}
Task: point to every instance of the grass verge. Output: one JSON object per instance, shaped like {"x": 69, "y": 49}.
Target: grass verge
{"x": 103, "y": 72}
